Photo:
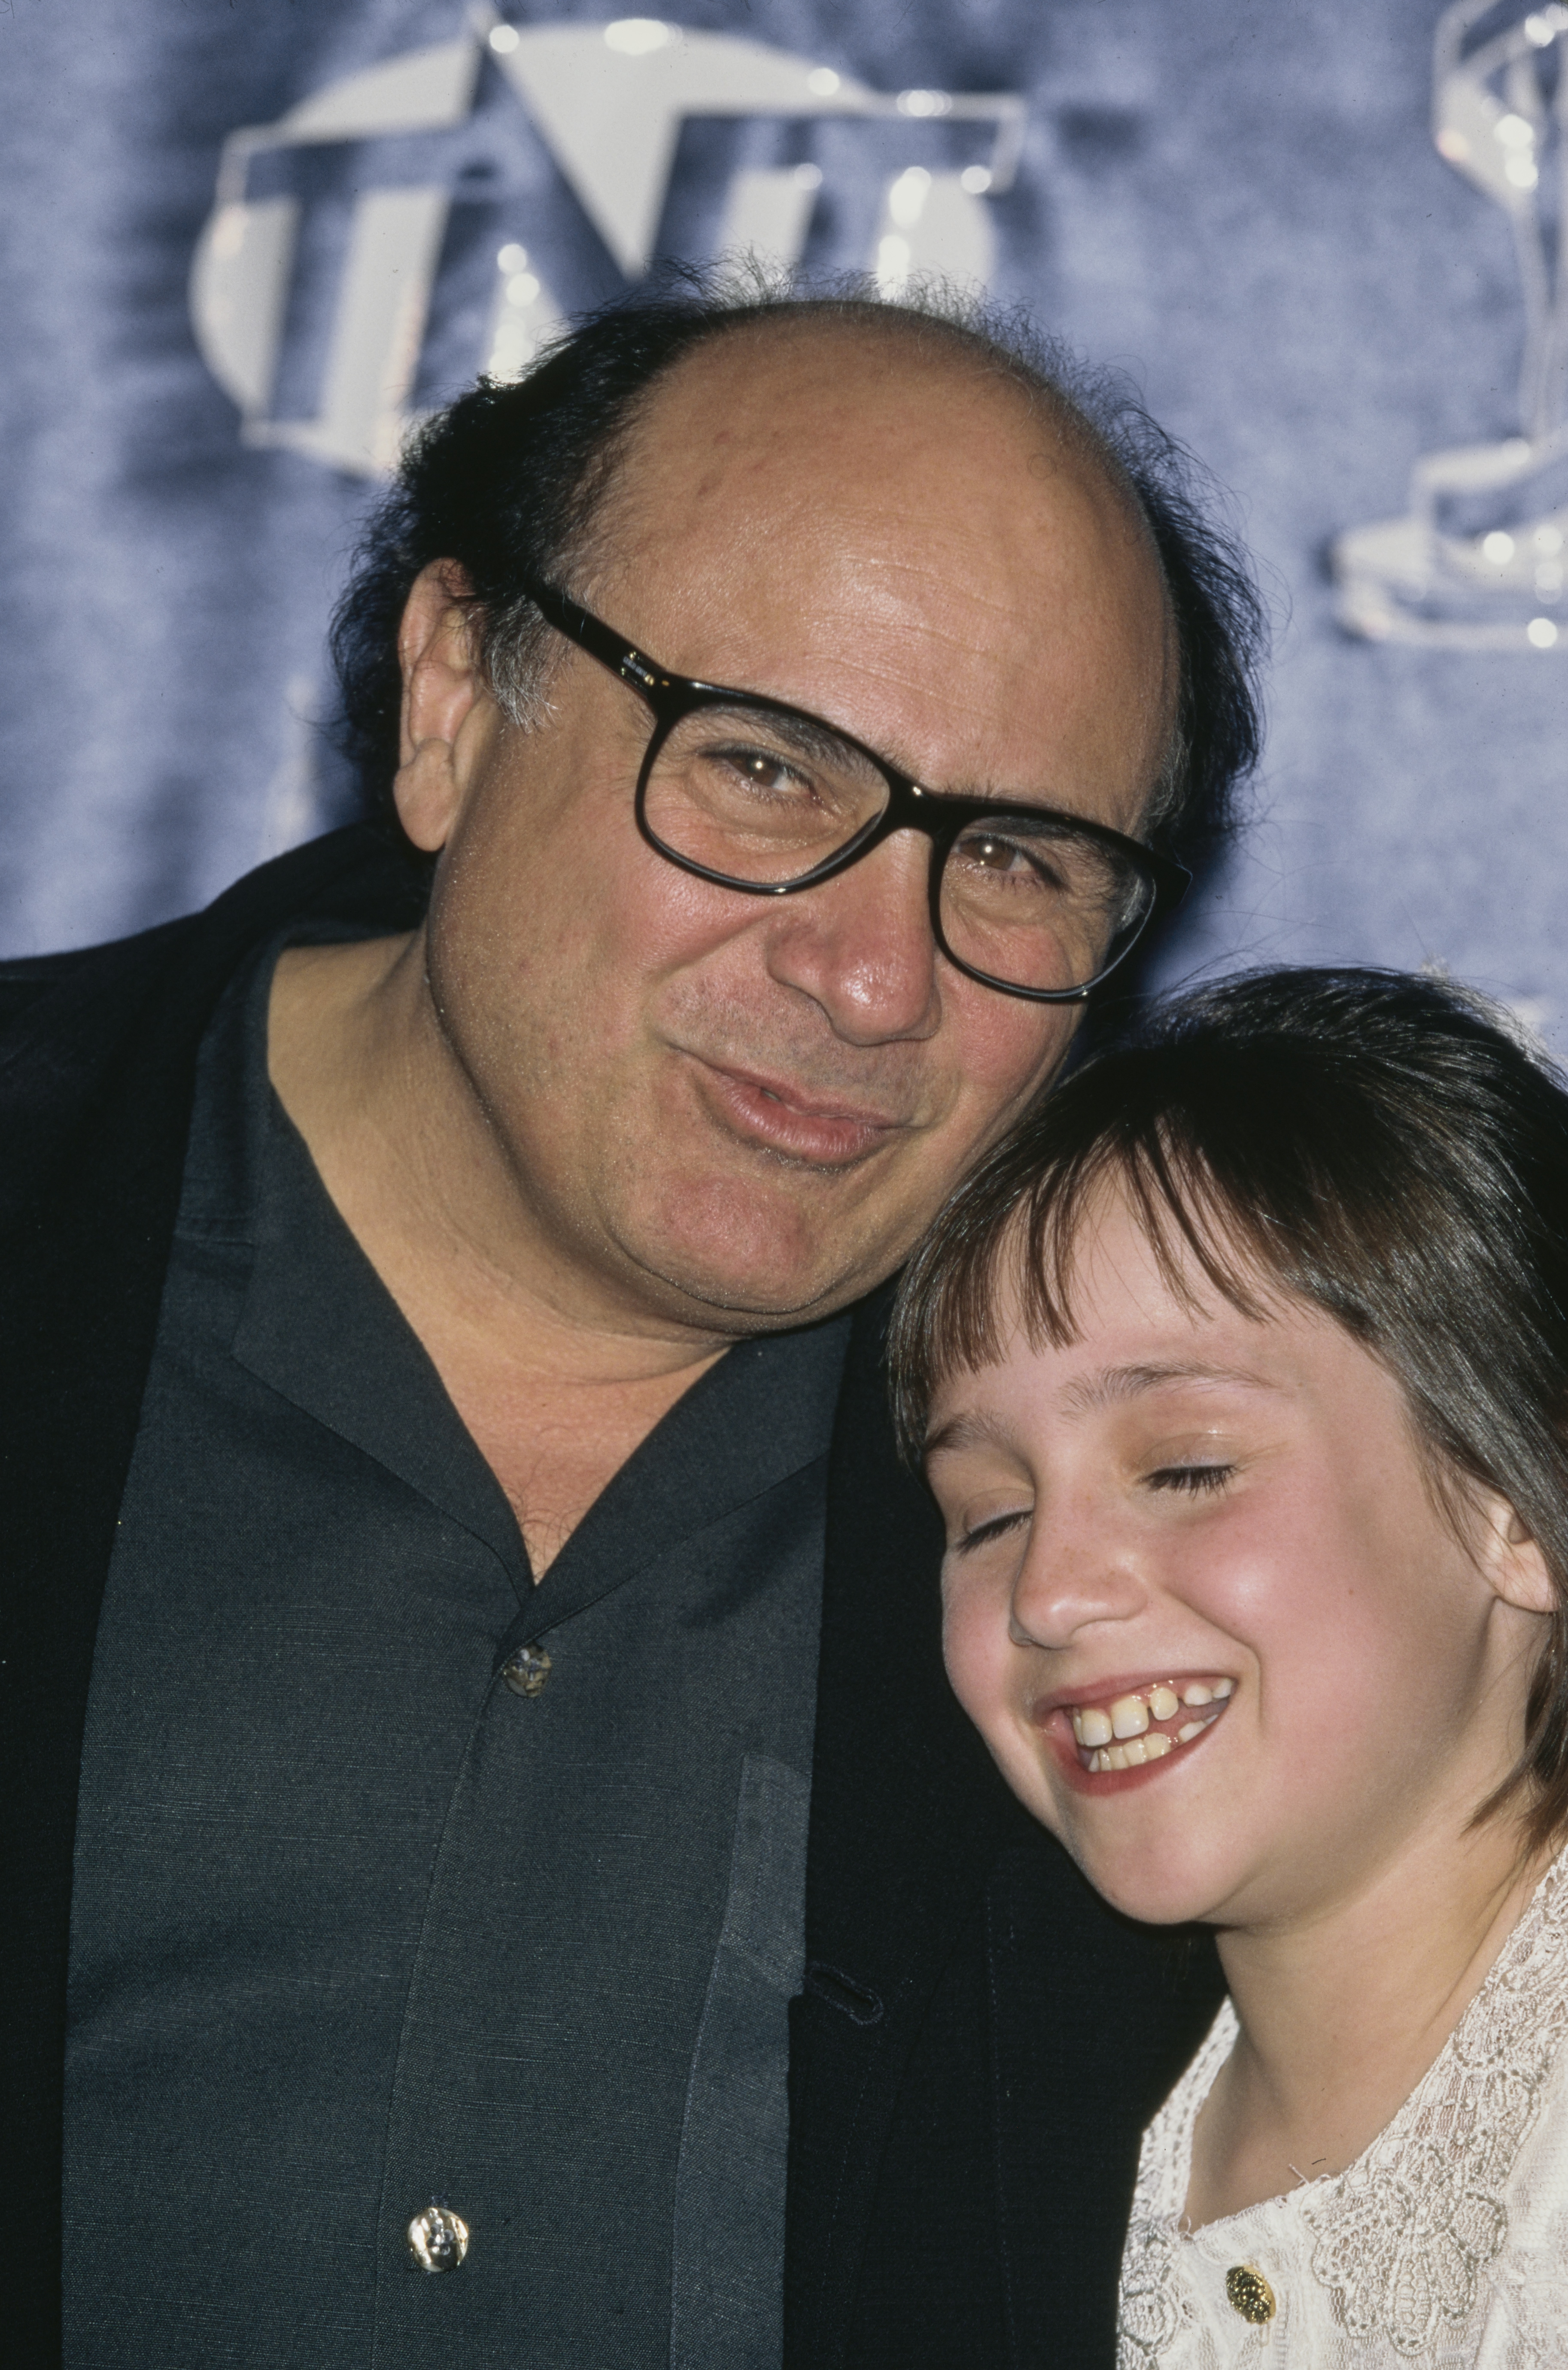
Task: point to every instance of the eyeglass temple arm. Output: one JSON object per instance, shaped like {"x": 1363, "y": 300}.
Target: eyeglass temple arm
{"x": 580, "y": 625}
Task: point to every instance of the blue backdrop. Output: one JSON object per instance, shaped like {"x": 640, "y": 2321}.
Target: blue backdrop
{"x": 244, "y": 239}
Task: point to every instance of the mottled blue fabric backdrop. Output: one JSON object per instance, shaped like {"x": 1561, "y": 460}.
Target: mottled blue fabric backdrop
{"x": 1241, "y": 203}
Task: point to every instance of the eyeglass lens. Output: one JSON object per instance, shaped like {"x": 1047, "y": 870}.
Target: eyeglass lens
{"x": 763, "y": 797}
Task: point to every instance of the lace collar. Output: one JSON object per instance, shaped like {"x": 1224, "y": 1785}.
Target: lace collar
{"x": 1403, "y": 2236}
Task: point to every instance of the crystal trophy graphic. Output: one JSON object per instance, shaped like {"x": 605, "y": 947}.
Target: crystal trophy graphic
{"x": 1477, "y": 562}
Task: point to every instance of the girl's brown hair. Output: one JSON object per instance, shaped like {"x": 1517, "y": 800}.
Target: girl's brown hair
{"x": 1381, "y": 1145}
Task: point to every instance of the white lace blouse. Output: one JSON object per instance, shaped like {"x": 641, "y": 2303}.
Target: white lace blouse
{"x": 1446, "y": 2243}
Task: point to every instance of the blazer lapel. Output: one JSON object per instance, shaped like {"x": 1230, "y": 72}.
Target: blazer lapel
{"x": 908, "y": 1816}
{"x": 97, "y": 1083}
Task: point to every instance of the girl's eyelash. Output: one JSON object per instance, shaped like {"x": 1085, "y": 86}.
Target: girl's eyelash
{"x": 1194, "y": 1479}
{"x": 994, "y": 1529}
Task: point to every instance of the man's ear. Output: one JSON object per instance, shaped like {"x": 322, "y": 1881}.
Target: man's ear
{"x": 442, "y": 685}
{"x": 1513, "y": 1561}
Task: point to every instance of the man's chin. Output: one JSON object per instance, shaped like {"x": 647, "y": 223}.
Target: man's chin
{"x": 744, "y": 1305}
{"x": 744, "y": 1295}
{"x": 756, "y": 1253}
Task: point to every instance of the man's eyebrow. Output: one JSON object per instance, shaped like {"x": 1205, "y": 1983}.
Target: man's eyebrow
{"x": 1113, "y": 1384}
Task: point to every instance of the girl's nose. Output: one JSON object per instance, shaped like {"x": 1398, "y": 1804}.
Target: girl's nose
{"x": 1065, "y": 1587}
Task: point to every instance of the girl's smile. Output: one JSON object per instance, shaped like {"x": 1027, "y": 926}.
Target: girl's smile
{"x": 1131, "y": 1725}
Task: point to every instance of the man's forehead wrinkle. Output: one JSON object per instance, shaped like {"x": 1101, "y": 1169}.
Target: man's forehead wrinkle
{"x": 1065, "y": 607}
{"x": 949, "y": 592}
{"x": 1053, "y": 560}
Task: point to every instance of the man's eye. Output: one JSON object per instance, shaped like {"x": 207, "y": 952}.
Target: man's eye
{"x": 990, "y": 854}
{"x": 1000, "y": 857}
{"x": 1196, "y": 1480}
{"x": 759, "y": 769}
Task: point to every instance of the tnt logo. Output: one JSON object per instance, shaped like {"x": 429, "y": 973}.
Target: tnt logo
{"x": 439, "y": 214}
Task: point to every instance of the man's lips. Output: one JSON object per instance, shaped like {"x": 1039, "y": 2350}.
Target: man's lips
{"x": 832, "y": 1130}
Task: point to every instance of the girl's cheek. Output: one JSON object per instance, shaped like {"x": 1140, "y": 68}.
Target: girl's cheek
{"x": 973, "y": 1655}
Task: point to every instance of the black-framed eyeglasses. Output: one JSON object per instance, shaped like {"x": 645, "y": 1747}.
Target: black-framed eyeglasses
{"x": 768, "y": 799}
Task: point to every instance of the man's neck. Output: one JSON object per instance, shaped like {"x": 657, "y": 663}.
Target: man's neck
{"x": 1342, "y": 2017}
{"x": 555, "y": 1376}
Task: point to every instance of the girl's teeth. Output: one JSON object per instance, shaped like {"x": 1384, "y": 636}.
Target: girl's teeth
{"x": 1131, "y": 1755}
{"x": 1120, "y": 1736}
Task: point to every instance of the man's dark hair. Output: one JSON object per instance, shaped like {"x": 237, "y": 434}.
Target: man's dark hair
{"x": 1382, "y": 1146}
{"x": 508, "y": 481}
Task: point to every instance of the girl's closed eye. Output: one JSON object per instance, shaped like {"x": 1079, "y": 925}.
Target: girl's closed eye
{"x": 991, "y": 1526}
{"x": 1195, "y": 1479}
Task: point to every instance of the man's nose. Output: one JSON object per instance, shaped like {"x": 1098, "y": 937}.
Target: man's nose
{"x": 860, "y": 946}
{"x": 1069, "y": 1583}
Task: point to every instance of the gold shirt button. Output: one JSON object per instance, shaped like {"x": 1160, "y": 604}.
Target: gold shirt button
{"x": 1250, "y": 2292}
{"x": 438, "y": 2238}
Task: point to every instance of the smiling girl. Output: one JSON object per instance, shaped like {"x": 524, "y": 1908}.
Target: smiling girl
{"x": 1241, "y": 1375}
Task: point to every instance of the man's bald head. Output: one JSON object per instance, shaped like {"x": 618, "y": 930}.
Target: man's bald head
{"x": 904, "y": 377}
{"x": 540, "y": 479}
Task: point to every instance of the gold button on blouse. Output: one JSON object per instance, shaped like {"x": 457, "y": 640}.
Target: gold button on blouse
{"x": 1250, "y": 2292}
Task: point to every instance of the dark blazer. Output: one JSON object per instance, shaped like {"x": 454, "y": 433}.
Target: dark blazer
{"x": 978, "y": 2042}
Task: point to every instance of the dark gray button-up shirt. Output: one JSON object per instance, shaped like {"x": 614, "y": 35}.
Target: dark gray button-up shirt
{"x": 356, "y": 1925}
